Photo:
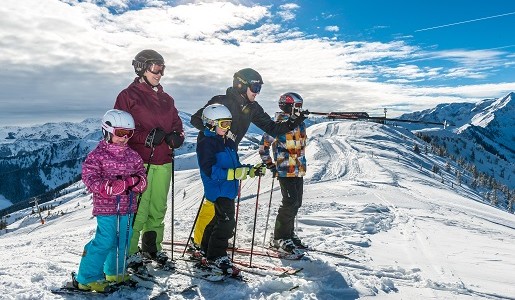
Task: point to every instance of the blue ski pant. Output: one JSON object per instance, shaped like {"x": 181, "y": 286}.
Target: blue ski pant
{"x": 99, "y": 254}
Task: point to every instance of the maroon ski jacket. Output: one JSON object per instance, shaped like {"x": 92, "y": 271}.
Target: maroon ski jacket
{"x": 150, "y": 109}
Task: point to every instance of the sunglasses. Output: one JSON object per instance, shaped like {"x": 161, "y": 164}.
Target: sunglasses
{"x": 255, "y": 87}
{"x": 122, "y": 132}
{"x": 156, "y": 69}
{"x": 224, "y": 124}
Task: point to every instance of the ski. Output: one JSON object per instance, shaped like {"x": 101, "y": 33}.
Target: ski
{"x": 261, "y": 269}
{"x": 257, "y": 268}
{"x": 335, "y": 254}
{"x": 165, "y": 290}
{"x": 69, "y": 289}
{"x": 267, "y": 253}
{"x": 189, "y": 270}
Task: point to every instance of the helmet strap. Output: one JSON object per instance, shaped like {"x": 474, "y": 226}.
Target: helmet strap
{"x": 210, "y": 127}
{"x": 146, "y": 80}
{"x": 107, "y": 136}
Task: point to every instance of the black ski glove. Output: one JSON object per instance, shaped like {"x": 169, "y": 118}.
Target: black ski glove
{"x": 155, "y": 137}
{"x": 174, "y": 139}
{"x": 273, "y": 168}
{"x": 296, "y": 118}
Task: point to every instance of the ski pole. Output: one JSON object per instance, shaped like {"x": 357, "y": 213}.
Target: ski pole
{"x": 236, "y": 221}
{"x": 126, "y": 250}
{"x": 173, "y": 202}
{"x": 193, "y": 226}
{"x": 255, "y": 218}
{"x": 117, "y": 236}
{"x": 268, "y": 214}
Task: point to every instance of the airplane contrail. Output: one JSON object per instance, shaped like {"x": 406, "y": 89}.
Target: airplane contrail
{"x": 469, "y": 21}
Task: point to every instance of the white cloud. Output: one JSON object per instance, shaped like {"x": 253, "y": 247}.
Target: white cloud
{"x": 332, "y": 28}
{"x": 286, "y": 11}
{"x": 75, "y": 55}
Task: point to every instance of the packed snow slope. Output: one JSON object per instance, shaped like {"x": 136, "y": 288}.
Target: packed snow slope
{"x": 367, "y": 194}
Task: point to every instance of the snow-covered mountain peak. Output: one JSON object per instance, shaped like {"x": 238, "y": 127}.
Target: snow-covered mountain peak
{"x": 500, "y": 108}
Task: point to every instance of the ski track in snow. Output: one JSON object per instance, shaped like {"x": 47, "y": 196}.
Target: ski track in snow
{"x": 365, "y": 196}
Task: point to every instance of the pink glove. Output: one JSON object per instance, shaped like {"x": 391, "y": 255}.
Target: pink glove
{"x": 132, "y": 181}
{"x": 137, "y": 183}
{"x": 114, "y": 188}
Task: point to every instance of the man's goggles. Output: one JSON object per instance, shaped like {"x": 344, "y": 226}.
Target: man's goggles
{"x": 122, "y": 132}
{"x": 224, "y": 124}
{"x": 156, "y": 69}
{"x": 255, "y": 87}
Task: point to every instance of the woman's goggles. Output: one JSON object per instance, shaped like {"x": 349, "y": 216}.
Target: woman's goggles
{"x": 224, "y": 124}
{"x": 122, "y": 132}
{"x": 156, "y": 69}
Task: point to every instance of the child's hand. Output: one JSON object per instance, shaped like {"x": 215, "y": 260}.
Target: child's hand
{"x": 132, "y": 181}
{"x": 273, "y": 168}
{"x": 114, "y": 188}
{"x": 136, "y": 183}
{"x": 238, "y": 173}
{"x": 257, "y": 170}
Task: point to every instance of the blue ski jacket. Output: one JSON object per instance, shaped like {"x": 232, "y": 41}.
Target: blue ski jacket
{"x": 216, "y": 155}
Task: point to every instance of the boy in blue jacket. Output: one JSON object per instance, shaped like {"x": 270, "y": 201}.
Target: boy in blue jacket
{"x": 220, "y": 170}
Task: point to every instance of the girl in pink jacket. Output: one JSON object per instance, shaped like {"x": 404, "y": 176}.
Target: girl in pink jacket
{"x": 114, "y": 173}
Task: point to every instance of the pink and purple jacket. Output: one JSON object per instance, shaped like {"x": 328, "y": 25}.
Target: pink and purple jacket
{"x": 109, "y": 162}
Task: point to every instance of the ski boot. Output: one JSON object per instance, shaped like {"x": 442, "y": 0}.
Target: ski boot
{"x": 298, "y": 243}
{"x": 99, "y": 286}
{"x": 287, "y": 249}
{"x": 161, "y": 259}
{"x": 136, "y": 264}
{"x": 223, "y": 265}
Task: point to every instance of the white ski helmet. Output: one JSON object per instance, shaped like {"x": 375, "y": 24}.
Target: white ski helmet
{"x": 115, "y": 118}
{"x": 213, "y": 113}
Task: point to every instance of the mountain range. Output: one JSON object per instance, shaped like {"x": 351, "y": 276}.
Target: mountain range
{"x": 482, "y": 134}
{"x": 38, "y": 161}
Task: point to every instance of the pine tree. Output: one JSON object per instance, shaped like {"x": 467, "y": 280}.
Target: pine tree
{"x": 416, "y": 149}
{"x": 3, "y": 224}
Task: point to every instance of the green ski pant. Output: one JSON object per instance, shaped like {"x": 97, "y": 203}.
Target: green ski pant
{"x": 149, "y": 221}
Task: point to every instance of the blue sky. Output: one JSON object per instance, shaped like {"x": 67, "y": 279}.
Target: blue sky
{"x": 67, "y": 60}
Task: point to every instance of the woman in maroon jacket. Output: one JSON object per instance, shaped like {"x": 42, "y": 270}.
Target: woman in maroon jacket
{"x": 158, "y": 130}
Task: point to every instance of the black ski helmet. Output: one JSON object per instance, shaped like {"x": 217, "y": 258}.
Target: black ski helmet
{"x": 245, "y": 78}
{"x": 143, "y": 59}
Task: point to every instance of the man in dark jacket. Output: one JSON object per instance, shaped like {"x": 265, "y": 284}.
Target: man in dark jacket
{"x": 240, "y": 99}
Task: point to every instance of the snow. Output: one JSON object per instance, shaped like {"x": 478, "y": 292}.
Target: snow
{"x": 366, "y": 194}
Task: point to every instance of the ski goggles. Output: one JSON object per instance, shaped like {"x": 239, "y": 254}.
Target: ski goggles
{"x": 123, "y": 132}
{"x": 290, "y": 101}
{"x": 224, "y": 124}
{"x": 255, "y": 87}
{"x": 156, "y": 69}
